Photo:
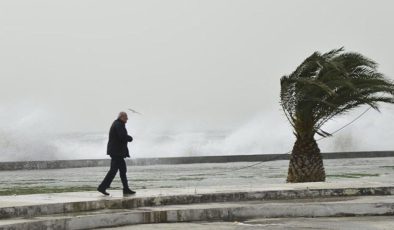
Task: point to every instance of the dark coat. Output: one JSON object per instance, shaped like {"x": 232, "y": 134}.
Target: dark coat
{"x": 118, "y": 139}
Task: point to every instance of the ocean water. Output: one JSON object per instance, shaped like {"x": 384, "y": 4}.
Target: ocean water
{"x": 25, "y": 147}
{"x": 34, "y": 136}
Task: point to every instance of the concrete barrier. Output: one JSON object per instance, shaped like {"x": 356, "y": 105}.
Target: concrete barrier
{"x": 61, "y": 203}
{"x": 359, "y": 206}
{"x": 58, "y": 164}
{"x": 86, "y": 210}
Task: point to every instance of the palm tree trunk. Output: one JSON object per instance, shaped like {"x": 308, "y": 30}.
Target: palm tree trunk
{"x": 306, "y": 163}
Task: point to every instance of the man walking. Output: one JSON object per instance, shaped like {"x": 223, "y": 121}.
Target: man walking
{"x": 118, "y": 151}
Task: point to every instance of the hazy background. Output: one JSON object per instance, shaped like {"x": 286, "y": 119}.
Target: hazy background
{"x": 204, "y": 73}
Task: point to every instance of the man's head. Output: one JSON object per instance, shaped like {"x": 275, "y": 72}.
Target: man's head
{"x": 123, "y": 117}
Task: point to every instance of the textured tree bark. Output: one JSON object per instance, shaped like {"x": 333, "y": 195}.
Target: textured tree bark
{"x": 306, "y": 162}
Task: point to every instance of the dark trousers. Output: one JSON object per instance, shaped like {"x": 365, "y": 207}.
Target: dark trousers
{"x": 117, "y": 163}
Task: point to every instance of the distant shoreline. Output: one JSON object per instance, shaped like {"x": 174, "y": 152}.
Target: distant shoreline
{"x": 82, "y": 163}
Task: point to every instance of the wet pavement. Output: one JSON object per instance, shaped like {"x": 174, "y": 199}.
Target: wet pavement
{"x": 190, "y": 176}
{"x": 94, "y": 196}
{"x": 327, "y": 223}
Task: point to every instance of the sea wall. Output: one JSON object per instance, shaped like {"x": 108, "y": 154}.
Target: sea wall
{"x": 58, "y": 164}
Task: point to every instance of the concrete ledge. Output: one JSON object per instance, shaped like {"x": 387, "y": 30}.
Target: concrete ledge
{"x": 351, "y": 206}
{"x": 29, "y": 165}
{"x": 49, "y": 204}
{"x": 323, "y": 207}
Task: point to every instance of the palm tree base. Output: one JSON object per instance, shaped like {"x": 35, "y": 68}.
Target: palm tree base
{"x": 306, "y": 163}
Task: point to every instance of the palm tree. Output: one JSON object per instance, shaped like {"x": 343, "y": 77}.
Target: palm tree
{"x": 322, "y": 87}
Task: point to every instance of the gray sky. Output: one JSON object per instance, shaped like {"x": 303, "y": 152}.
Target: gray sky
{"x": 206, "y": 64}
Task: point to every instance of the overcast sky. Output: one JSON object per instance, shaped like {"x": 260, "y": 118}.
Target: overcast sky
{"x": 206, "y": 64}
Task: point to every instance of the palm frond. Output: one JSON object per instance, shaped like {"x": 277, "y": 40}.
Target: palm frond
{"x": 330, "y": 84}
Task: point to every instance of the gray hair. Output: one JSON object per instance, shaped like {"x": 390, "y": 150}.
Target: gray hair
{"x": 121, "y": 114}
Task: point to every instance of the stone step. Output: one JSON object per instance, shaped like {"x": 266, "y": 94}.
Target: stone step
{"x": 228, "y": 211}
{"x": 62, "y": 203}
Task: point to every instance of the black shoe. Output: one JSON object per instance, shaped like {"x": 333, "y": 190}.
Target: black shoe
{"x": 128, "y": 191}
{"x": 102, "y": 190}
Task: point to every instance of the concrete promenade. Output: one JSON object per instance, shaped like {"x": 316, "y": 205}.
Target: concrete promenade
{"x": 83, "y": 210}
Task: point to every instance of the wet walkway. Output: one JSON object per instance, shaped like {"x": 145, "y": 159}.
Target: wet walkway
{"x": 190, "y": 175}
